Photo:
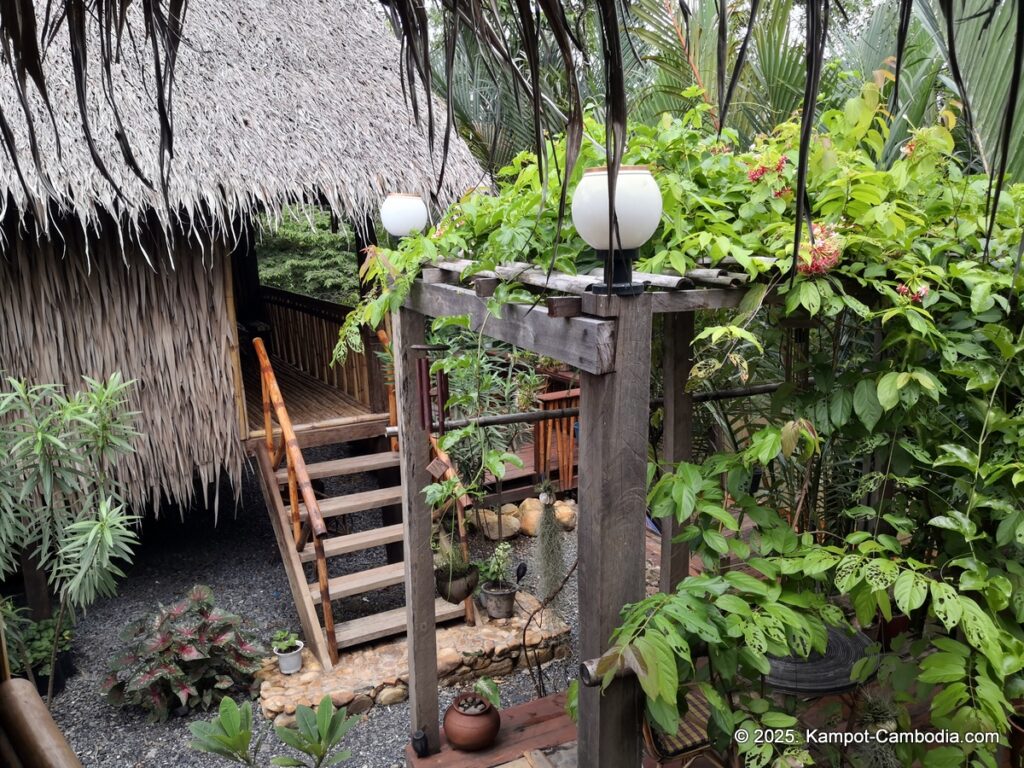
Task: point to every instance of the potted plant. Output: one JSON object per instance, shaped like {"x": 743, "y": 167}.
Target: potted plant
{"x": 288, "y": 649}
{"x": 40, "y": 653}
{"x": 454, "y": 577}
{"x": 497, "y": 593}
{"x": 472, "y": 721}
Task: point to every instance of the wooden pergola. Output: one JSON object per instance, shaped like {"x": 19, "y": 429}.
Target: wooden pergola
{"x": 608, "y": 338}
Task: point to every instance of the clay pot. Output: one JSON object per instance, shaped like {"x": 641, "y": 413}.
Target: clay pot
{"x": 457, "y": 589}
{"x": 471, "y": 731}
{"x": 499, "y": 599}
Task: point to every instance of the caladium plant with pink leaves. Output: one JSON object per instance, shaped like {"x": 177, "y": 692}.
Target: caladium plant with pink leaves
{"x": 189, "y": 654}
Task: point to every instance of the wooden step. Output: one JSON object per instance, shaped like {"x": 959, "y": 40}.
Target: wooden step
{"x": 363, "y": 581}
{"x": 357, "y": 631}
{"x": 341, "y": 467}
{"x": 354, "y": 542}
{"x": 356, "y": 502}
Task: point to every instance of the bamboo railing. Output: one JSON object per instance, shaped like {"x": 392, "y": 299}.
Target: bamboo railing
{"x": 298, "y": 485}
{"x": 305, "y": 334}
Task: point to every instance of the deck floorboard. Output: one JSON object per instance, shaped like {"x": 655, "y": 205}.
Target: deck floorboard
{"x": 308, "y": 400}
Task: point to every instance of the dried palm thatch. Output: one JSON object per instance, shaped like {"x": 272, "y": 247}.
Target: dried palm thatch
{"x": 168, "y": 329}
{"x": 114, "y": 258}
{"x": 273, "y": 103}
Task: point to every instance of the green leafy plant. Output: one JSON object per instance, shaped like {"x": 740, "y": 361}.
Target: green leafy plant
{"x": 486, "y": 688}
{"x": 189, "y": 654}
{"x": 317, "y": 735}
{"x": 61, "y": 502}
{"x": 285, "y": 641}
{"x": 36, "y": 644}
{"x": 495, "y": 569}
{"x": 229, "y": 734}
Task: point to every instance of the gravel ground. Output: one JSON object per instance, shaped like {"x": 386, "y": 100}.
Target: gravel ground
{"x": 238, "y": 559}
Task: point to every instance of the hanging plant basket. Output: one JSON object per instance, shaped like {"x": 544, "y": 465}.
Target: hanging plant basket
{"x": 456, "y": 587}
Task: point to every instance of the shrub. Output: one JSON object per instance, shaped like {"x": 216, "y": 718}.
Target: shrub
{"x": 317, "y": 735}
{"x": 35, "y": 647}
{"x": 188, "y": 654}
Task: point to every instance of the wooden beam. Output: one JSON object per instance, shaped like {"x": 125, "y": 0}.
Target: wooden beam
{"x": 678, "y": 439}
{"x": 612, "y": 498}
{"x": 408, "y": 329}
{"x": 527, "y": 274}
{"x": 672, "y": 301}
{"x": 484, "y": 287}
{"x": 672, "y": 282}
{"x": 582, "y": 342}
{"x": 564, "y": 306}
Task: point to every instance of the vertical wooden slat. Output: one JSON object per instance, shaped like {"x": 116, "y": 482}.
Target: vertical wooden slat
{"x": 678, "y": 439}
{"x": 612, "y": 498}
{"x": 409, "y": 329}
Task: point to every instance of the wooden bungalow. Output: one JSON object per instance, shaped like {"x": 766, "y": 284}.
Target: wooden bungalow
{"x": 274, "y": 104}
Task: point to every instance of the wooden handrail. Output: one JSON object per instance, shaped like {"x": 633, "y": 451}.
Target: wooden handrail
{"x": 298, "y": 483}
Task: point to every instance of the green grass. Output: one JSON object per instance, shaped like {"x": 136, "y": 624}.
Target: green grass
{"x": 315, "y": 262}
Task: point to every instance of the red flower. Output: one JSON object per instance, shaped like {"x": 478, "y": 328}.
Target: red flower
{"x": 819, "y": 256}
{"x": 755, "y": 175}
{"x": 781, "y": 164}
{"x": 784, "y": 192}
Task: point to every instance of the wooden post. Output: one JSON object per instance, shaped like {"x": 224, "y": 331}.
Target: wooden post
{"x": 678, "y": 440}
{"x": 408, "y": 330}
{"x": 613, "y": 463}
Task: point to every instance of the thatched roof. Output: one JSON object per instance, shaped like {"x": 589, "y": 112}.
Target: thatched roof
{"x": 273, "y": 102}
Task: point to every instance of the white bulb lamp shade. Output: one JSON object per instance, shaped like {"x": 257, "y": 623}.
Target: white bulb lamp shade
{"x": 637, "y": 207}
{"x": 402, "y": 214}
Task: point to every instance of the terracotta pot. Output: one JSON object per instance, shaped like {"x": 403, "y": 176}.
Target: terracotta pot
{"x": 471, "y": 732}
{"x": 499, "y": 599}
{"x": 458, "y": 589}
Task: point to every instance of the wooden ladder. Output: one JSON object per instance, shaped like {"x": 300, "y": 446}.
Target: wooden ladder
{"x": 302, "y": 535}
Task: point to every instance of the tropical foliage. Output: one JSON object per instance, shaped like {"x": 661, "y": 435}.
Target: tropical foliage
{"x": 303, "y": 253}
{"x": 317, "y": 734}
{"x": 889, "y": 466}
{"x": 189, "y": 654}
{"x": 61, "y": 504}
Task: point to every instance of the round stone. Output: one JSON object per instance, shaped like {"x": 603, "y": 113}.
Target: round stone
{"x": 392, "y": 695}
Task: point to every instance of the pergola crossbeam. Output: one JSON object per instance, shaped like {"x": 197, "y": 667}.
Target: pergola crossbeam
{"x": 586, "y": 343}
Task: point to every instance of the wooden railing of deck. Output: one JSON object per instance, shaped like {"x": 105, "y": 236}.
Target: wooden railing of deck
{"x": 305, "y": 332}
{"x": 298, "y": 485}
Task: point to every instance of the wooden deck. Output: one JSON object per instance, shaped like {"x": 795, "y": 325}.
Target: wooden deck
{"x": 531, "y": 726}
{"x": 519, "y": 483}
{"x": 309, "y": 400}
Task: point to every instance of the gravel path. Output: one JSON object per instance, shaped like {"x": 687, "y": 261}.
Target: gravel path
{"x": 238, "y": 559}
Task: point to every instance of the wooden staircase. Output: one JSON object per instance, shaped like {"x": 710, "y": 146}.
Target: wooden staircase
{"x": 298, "y": 518}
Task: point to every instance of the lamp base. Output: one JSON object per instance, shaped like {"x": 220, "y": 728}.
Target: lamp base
{"x": 622, "y": 274}
{"x": 618, "y": 289}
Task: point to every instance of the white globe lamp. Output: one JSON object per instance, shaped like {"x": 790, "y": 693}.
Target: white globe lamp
{"x": 402, "y": 214}
{"x": 638, "y": 214}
